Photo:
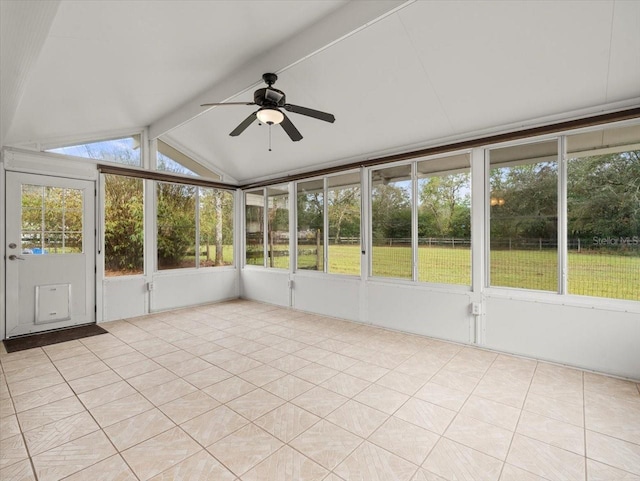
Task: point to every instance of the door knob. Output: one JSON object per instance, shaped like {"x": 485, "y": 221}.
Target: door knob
{"x": 14, "y": 257}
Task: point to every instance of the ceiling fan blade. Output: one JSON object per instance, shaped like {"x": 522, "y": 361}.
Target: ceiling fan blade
{"x": 227, "y": 103}
{"x": 290, "y": 129}
{"x": 243, "y": 125}
{"x": 316, "y": 114}
{"x": 273, "y": 95}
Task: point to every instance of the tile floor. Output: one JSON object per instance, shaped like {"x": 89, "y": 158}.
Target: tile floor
{"x": 242, "y": 391}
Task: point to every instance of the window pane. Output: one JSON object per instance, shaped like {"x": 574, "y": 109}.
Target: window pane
{"x": 176, "y": 222}
{"x": 391, "y": 222}
{"x": 311, "y": 225}
{"x": 254, "y": 228}
{"x": 523, "y": 209}
{"x": 170, "y": 159}
{"x": 122, "y": 151}
{"x": 123, "y": 225}
{"x": 52, "y": 220}
{"x": 603, "y": 195}
{"x": 278, "y": 235}
{"x": 343, "y": 199}
{"x": 216, "y": 227}
{"x": 444, "y": 220}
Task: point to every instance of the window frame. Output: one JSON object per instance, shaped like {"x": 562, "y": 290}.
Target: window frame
{"x": 414, "y": 280}
{"x": 196, "y": 267}
{"x": 325, "y": 223}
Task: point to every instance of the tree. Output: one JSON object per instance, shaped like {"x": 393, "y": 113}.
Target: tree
{"x": 604, "y": 195}
{"x": 124, "y": 224}
{"x": 445, "y": 206}
{"x": 176, "y": 223}
{"x": 391, "y": 212}
{"x": 344, "y": 208}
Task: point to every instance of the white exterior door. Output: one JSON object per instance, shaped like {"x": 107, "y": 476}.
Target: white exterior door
{"x": 50, "y": 253}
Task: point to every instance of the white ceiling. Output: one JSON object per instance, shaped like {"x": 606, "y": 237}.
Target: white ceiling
{"x": 396, "y": 74}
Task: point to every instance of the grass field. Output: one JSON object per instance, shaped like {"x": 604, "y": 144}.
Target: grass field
{"x": 590, "y": 274}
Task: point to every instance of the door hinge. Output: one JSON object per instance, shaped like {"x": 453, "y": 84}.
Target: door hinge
{"x": 95, "y": 308}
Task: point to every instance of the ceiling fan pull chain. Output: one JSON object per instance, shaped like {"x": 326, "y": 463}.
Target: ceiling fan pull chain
{"x": 270, "y": 137}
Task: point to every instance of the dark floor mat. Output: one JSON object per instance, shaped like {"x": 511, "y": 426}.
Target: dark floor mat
{"x": 52, "y": 337}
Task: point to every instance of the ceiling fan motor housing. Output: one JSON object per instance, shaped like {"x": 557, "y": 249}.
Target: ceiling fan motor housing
{"x": 265, "y": 99}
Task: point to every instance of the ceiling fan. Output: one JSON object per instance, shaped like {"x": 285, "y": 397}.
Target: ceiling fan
{"x": 271, "y": 101}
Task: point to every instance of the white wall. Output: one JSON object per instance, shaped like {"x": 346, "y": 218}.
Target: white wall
{"x": 329, "y": 295}
{"x": 421, "y": 310}
{"x": 600, "y": 339}
{"x": 124, "y": 297}
{"x": 265, "y": 285}
{"x": 176, "y": 289}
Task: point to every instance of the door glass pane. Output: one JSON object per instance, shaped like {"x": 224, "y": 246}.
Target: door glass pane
{"x": 216, "y": 227}
{"x": 52, "y": 219}
{"x": 311, "y": 225}
{"x": 603, "y": 201}
{"x": 391, "y": 222}
{"x": 523, "y": 208}
{"x": 176, "y": 243}
{"x": 124, "y": 225}
{"x": 278, "y": 235}
{"x": 254, "y": 228}
{"x": 343, "y": 199}
{"x": 444, "y": 220}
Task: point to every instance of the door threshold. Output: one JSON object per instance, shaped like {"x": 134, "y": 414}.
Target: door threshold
{"x": 41, "y": 339}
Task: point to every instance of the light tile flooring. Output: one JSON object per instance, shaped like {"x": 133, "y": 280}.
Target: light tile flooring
{"x": 251, "y": 392}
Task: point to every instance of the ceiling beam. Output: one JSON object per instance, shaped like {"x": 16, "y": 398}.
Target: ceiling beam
{"x": 340, "y": 24}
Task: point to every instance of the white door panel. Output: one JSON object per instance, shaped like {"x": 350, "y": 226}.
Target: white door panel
{"x": 50, "y": 267}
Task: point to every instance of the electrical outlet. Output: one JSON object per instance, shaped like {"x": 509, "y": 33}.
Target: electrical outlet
{"x": 476, "y": 308}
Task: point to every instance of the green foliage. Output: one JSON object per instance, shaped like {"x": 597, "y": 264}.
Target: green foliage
{"x": 529, "y": 195}
{"x": 445, "y": 206}
{"x": 176, "y": 223}
{"x": 124, "y": 224}
{"x": 391, "y": 212}
{"x": 604, "y": 195}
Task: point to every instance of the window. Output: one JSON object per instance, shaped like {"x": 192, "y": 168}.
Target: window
{"x": 216, "y": 227}
{"x": 124, "y": 150}
{"x": 170, "y": 159}
{"x": 444, "y": 220}
{"x": 343, "y": 211}
{"x": 523, "y": 207}
{"x": 311, "y": 225}
{"x": 176, "y": 242}
{"x": 603, "y": 203}
{"x": 254, "y": 227}
{"x": 194, "y": 226}
{"x": 391, "y": 222}
{"x": 51, "y": 220}
{"x": 123, "y": 225}
{"x": 278, "y": 234}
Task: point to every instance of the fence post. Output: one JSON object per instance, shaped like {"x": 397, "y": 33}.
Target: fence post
{"x": 540, "y": 242}
{"x": 578, "y": 244}
{"x": 271, "y": 249}
{"x": 318, "y": 250}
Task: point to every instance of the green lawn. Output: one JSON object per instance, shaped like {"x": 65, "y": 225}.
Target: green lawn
{"x": 590, "y": 274}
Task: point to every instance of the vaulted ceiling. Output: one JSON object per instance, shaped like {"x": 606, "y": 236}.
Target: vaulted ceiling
{"x": 397, "y": 75}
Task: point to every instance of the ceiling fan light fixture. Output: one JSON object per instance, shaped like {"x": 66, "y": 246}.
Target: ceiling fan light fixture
{"x": 270, "y": 116}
